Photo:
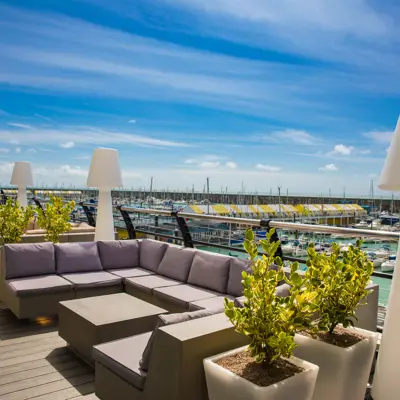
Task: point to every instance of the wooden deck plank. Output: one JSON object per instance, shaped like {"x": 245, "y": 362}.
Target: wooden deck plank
{"x": 35, "y": 348}
{"x": 25, "y": 339}
{"x": 56, "y": 340}
{"x": 84, "y": 392}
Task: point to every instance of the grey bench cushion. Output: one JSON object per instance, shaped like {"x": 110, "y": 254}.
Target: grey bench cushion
{"x": 281, "y": 291}
{"x": 130, "y": 272}
{"x": 214, "y": 303}
{"x": 29, "y": 259}
{"x": 37, "y": 285}
{"x": 176, "y": 263}
{"x": 210, "y": 271}
{"x": 236, "y": 267}
{"x": 119, "y": 253}
{"x": 182, "y": 295}
{"x": 77, "y": 257}
{"x": 122, "y": 357}
{"x": 148, "y": 283}
{"x": 92, "y": 279}
{"x": 151, "y": 254}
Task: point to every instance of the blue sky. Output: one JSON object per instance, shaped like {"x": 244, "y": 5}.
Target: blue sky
{"x": 302, "y": 94}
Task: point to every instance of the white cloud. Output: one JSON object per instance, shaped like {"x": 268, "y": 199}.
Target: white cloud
{"x": 67, "y": 145}
{"x": 190, "y": 161}
{"x": 372, "y": 176}
{"x": 380, "y": 136}
{"x": 73, "y": 170}
{"x": 209, "y": 164}
{"x": 18, "y": 149}
{"x": 364, "y": 152}
{"x": 341, "y": 149}
{"x": 43, "y": 117}
{"x": 82, "y": 157}
{"x": 329, "y": 167}
{"x": 32, "y": 150}
{"x": 45, "y": 149}
{"x": 4, "y": 150}
{"x": 292, "y": 135}
{"x": 13, "y": 141}
{"x": 132, "y": 121}
{"x": 268, "y": 168}
{"x": 2, "y": 112}
{"x": 18, "y": 125}
{"x": 231, "y": 165}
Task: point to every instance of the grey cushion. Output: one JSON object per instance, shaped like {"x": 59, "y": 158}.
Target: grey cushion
{"x": 283, "y": 290}
{"x": 148, "y": 283}
{"x": 169, "y": 319}
{"x": 214, "y": 303}
{"x": 77, "y": 257}
{"x": 122, "y": 357}
{"x": 92, "y": 279}
{"x": 151, "y": 254}
{"x": 210, "y": 271}
{"x": 130, "y": 272}
{"x": 176, "y": 263}
{"x": 29, "y": 259}
{"x": 119, "y": 253}
{"x": 182, "y": 295}
{"x": 36, "y": 285}
{"x": 237, "y": 266}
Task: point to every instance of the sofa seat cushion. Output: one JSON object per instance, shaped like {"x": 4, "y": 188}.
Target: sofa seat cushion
{"x": 210, "y": 271}
{"x": 122, "y": 357}
{"x": 148, "y": 283}
{"x": 37, "y": 285}
{"x": 130, "y": 272}
{"x": 77, "y": 257}
{"x": 151, "y": 253}
{"x": 176, "y": 263}
{"x": 213, "y": 303}
{"x": 182, "y": 295}
{"x": 29, "y": 259}
{"x": 119, "y": 253}
{"x": 83, "y": 280}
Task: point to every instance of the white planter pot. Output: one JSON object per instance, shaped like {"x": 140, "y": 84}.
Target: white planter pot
{"x": 223, "y": 384}
{"x": 343, "y": 372}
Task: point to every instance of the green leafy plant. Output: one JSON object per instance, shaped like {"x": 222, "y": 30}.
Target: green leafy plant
{"x": 339, "y": 283}
{"x": 269, "y": 321}
{"x": 13, "y": 221}
{"x": 55, "y": 219}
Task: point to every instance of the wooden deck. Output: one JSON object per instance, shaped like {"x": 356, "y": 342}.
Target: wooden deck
{"x": 36, "y": 364}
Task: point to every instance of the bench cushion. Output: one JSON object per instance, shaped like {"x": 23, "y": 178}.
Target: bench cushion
{"x": 130, "y": 272}
{"x": 37, "y": 285}
{"x": 77, "y": 257}
{"x": 92, "y": 279}
{"x": 170, "y": 319}
{"x": 210, "y": 271}
{"x": 29, "y": 259}
{"x": 148, "y": 283}
{"x": 151, "y": 254}
{"x": 236, "y": 267}
{"x": 119, "y": 253}
{"x": 213, "y": 303}
{"x": 176, "y": 263}
{"x": 122, "y": 357}
{"x": 182, "y": 295}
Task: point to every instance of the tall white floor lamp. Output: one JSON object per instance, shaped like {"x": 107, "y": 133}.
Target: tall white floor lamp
{"x": 22, "y": 177}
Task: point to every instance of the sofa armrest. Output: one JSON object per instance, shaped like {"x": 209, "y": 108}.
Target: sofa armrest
{"x": 367, "y": 314}
{"x": 176, "y": 365}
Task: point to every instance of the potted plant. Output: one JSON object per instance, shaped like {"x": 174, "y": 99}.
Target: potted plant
{"x": 55, "y": 219}
{"x": 13, "y": 221}
{"x": 266, "y": 368}
{"x": 343, "y": 353}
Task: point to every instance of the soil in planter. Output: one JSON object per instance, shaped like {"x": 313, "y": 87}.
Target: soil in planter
{"x": 341, "y": 337}
{"x": 243, "y": 364}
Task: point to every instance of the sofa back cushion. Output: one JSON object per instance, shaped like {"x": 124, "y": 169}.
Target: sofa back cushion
{"x": 176, "y": 263}
{"x": 169, "y": 319}
{"x": 236, "y": 267}
{"x": 119, "y": 253}
{"x": 77, "y": 257}
{"x": 151, "y": 254}
{"x": 210, "y": 271}
{"x": 29, "y": 259}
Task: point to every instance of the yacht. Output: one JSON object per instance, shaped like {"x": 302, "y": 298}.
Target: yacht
{"x": 388, "y": 266}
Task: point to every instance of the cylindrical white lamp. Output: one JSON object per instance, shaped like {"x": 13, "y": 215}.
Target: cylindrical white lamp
{"x": 104, "y": 174}
{"x": 22, "y": 177}
{"x": 386, "y": 379}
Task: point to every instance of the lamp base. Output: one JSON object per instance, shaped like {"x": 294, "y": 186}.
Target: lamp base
{"x": 105, "y": 219}
{"x": 21, "y": 197}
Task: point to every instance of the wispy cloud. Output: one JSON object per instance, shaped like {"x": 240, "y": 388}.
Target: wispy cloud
{"x": 231, "y": 165}
{"x": 341, "y": 149}
{"x": 132, "y": 121}
{"x": 31, "y": 150}
{"x": 18, "y": 125}
{"x": 329, "y": 168}
{"x": 291, "y": 135}
{"x": 48, "y": 119}
{"x": 380, "y": 136}
{"x": 67, "y": 145}
{"x": 4, "y": 113}
{"x": 268, "y": 168}
{"x": 18, "y": 149}
{"x": 4, "y": 150}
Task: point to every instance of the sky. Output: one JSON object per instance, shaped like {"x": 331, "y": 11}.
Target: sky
{"x": 302, "y": 94}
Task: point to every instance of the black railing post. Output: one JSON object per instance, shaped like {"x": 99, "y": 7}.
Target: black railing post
{"x": 128, "y": 222}
{"x": 156, "y": 226}
{"x": 3, "y": 197}
{"x": 274, "y": 237}
{"x": 89, "y": 215}
{"x": 187, "y": 237}
{"x": 39, "y": 204}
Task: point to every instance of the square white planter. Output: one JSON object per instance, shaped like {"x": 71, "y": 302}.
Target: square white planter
{"x": 343, "y": 372}
{"x": 223, "y": 384}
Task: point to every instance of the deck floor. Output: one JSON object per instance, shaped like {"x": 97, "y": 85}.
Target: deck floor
{"x": 36, "y": 364}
